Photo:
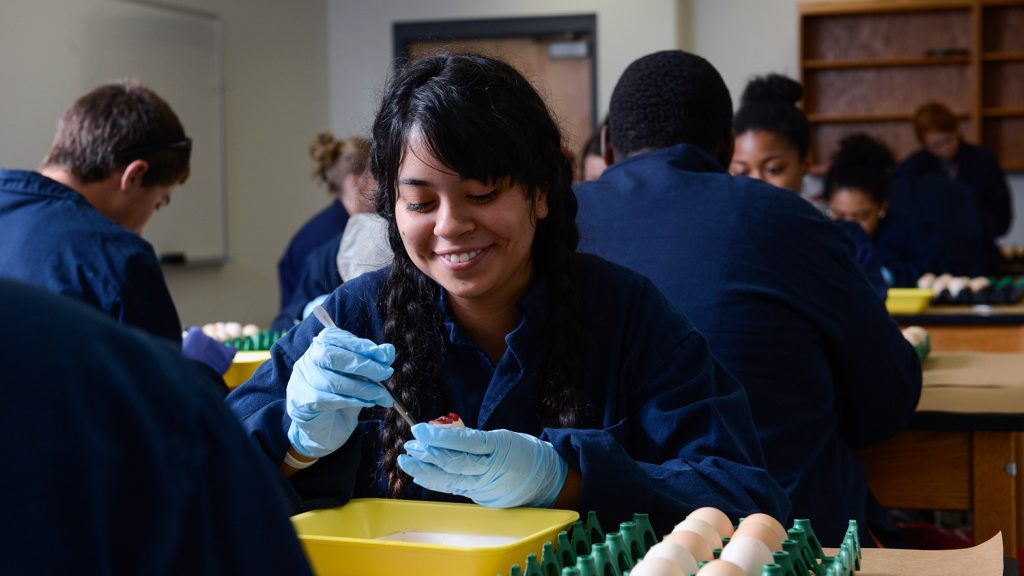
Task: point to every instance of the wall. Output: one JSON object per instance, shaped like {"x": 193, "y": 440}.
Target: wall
{"x": 360, "y": 43}
{"x": 276, "y": 100}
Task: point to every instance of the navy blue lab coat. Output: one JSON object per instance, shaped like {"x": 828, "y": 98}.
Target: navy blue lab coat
{"x": 773, "y": 286}
{"x": 319, "y": 276}
{"x": 978, "y": 169}
{"x": 325, "y": 224}
{"x": 54, "y": 239}
{"x": 867, "y": 257}
{"x": 669, "y": 431}
{"x": 945, "y": 209}
{"x": 907, "y": 249}
{"x": 121, "y": 459}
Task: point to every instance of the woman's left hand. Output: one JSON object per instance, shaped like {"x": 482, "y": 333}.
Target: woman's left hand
{"x": 496, "y": 468}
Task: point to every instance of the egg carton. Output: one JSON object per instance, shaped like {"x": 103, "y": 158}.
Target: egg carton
{"x": 587, "y": 551}
{"x": 262, "y": 340}
{"x": 990, "y": 290}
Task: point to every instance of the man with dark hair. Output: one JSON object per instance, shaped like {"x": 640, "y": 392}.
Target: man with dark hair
{"x": 769, "y": 281}
{"x": 121, "y": 463}
{"x": 73, "y": 227}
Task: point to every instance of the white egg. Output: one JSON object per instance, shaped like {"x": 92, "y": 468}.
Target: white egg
{"x": 250, "y": 330}
{"x": 957, "y": 285}
{"x": 657, "y": 567}
{"x": 721, "y": 568}
{"x": 748, "y": 553}
{"x": 706, "y": 531}
{"x": 718, "y": 520}
{"x": 209, "y": 329}
{"x": 675, "y": 553}
{"x": 233, "y": 329}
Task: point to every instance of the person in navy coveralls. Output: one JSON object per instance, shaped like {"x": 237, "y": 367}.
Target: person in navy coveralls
{"x": 123, "y": 460}
{"x": 857, "y": 191}
{"x": 580, "y": 385}
{"x": 944, "y": 155}
{"x": 340, "y": 167}
{"x": 74, "y": 227}
{"x": 773, "y": 143}
{"x": 825, "y": 368}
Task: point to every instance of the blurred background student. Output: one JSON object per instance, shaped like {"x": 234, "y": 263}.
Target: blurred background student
{"x": 945, "y": 154}
{"x": 773, "y": 144}
{"x": 74, "y": 226}
{"x": 362, "y": 247}
{"x": 857, "y": 190}
{"x": 766, "y": 278}
{"x": 339, "y": 166}
{"x": 121, "y": 462}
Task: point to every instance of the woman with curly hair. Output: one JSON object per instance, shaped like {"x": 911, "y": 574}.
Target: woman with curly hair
{"x": 580, "y": 385}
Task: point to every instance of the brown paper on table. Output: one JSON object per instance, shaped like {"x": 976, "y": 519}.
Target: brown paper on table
{"x": 982, "y": 560}
{"x": 973, "y": 382}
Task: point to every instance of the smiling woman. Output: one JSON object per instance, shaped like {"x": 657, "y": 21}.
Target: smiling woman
{"x": 579, "y": 384}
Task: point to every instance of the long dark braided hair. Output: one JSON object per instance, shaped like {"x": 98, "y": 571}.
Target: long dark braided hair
{"x": 483, "y": 120}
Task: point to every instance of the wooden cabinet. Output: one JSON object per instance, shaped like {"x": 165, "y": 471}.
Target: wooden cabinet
{"x": 866, "y": 66}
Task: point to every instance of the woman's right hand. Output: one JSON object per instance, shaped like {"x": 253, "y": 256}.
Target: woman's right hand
{"x": 339, "y": 375}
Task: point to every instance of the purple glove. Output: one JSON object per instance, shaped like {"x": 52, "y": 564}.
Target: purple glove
{"x": 202, "y": 348}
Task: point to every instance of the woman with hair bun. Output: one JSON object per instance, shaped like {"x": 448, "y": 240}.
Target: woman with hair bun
{"x": 773, "y": 144}
{"x": 857, "y": 187}
{"x": 772, "y": 134}
{"x": 340, "y": 165}
{"x": 579, "y": 384}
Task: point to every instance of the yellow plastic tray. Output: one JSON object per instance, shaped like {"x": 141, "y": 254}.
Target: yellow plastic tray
{"x": 907, "y": 300}
{"x": 345, "y": 541}
{"x": 244, "y": 364}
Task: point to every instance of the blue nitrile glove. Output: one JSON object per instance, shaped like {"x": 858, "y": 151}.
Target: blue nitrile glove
{"x": 209, "y": 351}
{"x": 496, "y": 468}
{"x": 339, "y": 375}
{"x": 308, "y": 308}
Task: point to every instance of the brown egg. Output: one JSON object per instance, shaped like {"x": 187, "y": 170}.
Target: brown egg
{"x": 693, "y": 542}
{"x": 762, "y": 532}
{"x": 718, "y": 520}
{"x": 707, "y": 531}
{"x": 720, "y": 568}
{"x": 772, "y": 522}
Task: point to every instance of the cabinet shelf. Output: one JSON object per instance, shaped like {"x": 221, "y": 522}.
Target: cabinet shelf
{"x": 865, "y": 118}
{"x": 1007, "y": 112}
{"x": 885, "y": 6}
{"x": 864, "y": 68}
{"x": 887, "y": 62}
{"x": 1003, "y": 56}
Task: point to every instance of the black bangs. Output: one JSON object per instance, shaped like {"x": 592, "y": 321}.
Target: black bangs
{"x": 480, "y": 134}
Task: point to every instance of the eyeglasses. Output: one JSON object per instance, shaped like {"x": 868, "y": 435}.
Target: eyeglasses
{"x": 140, "y": 151}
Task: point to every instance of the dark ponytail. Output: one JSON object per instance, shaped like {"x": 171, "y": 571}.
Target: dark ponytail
{"x": 769, "y": 104}
{"x": 482, "y": 119}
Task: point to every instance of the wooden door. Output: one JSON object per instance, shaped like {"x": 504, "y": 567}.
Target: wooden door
{"x": 566, "y": 84}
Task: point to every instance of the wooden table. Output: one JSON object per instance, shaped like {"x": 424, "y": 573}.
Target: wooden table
{"x": 963, "y": 447}
{"x": 978, "y": 328}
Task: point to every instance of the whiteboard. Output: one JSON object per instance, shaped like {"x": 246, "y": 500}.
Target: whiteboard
{"x": 52, "y": 51}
